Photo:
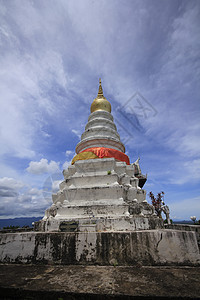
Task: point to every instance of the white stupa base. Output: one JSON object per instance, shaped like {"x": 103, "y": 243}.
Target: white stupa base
{"x": 102, "y": 194}
{"x": 100, "y": 224}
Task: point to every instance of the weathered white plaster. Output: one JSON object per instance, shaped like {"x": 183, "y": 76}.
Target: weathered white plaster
{"x": 101, "y": 189}
{"x": 86, "y": 244}
{"x": 16, "y": 245}
{"x": 146, "y": 247}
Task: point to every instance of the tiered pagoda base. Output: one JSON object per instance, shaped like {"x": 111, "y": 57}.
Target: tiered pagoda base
{"x": 103, "y": 193}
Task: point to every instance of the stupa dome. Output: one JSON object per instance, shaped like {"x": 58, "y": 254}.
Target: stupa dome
{"x": 100, "y": 130}
{"x": 100, "y": 138}
{"x": 100, "y": 102}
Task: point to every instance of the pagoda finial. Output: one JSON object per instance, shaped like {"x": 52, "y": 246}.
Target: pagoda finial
{"x": 100, "y": 92}
{"x": 100, "y": 102}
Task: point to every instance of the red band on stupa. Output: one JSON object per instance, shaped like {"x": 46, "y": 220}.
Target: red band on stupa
{"x": 108, "y": 152}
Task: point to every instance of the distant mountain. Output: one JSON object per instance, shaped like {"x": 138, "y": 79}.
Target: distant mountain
{"x": 183, "y": 222}
{"x": 28, "y": 222}
{"x": 18, "y": 222}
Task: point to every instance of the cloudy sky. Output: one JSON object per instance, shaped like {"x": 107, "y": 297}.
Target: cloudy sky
{"x": 51, "y": 56}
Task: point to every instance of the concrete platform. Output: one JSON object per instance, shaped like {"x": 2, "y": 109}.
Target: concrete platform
{"x": 98, "y": 282}
{"x": 145, "y": 247}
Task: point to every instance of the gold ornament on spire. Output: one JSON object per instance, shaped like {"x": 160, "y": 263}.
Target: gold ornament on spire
{"x": 100, "y": 92}
{"x": 100, "y": 102}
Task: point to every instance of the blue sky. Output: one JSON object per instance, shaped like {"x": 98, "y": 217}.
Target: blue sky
{"x": 51, "y": 56}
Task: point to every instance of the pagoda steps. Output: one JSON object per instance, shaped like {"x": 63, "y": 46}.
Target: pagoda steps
{"x": 88, "y": 193}
{"x": 89, "y": 180}
{"x": 93, "y": 211}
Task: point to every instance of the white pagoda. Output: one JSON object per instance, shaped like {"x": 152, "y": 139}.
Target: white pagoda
{"x": 100, "y": 214}
{"x": 101, "y": 190}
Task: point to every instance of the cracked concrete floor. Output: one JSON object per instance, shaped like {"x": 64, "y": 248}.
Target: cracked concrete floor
{"x": 102, "y": 280}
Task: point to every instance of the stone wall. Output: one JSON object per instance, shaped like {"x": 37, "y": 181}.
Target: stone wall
{"x": 148, "y": 247}
{"x": 186, "y": 227}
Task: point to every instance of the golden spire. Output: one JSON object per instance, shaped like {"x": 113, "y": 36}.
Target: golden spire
{"x": 100, "y": 92}
{"x": 100, "y": 102}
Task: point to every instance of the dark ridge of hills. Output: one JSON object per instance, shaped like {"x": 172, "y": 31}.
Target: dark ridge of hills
{"x": 183, "y": 222}
{"x": 19, "y": 221}
{"x": 29, "y": 220}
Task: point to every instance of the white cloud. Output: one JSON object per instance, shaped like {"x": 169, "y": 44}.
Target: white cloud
{"x": 43, "y": 167}
{"x": 69, "y": 153}
{"x": 23, "y": 106}
{"x": 34, "y": 191}
{"x": 186, "y": 208}
{"x": 66, "y": 165}
{"x": 19, "y": 199}
{"x": 30, "y": 203}
{"x": 10, "y": 184}
{"x": 29, "y": 71}
{"x": 77, "y": 133}
{"x": 55, "y": 186}
{"x": 186, "y": 172}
